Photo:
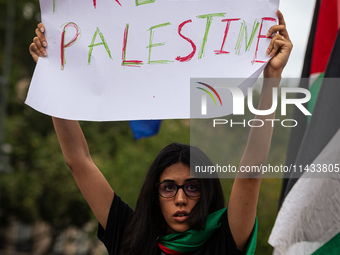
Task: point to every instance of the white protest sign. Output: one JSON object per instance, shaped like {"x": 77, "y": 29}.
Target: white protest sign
{"x": 133, "y": 59}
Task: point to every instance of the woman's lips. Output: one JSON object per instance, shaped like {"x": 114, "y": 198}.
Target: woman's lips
{"x": 181, "y": 216}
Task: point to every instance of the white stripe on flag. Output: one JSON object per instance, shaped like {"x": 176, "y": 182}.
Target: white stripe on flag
{"x": 309, "y": 216}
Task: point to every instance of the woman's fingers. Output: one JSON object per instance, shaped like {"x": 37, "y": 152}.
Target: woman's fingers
{"x": 275, "y": 44}
{"x": 37, "y": 48}
{"x": 280, "y": 17}
{"x": 41, "y": 27}
{"x": 281, "y": 25}
{"x": 38, "y": 44}
{"x": 279, "y": 48}
{"x": 280, "y": 36}
{"x": 35, "y": 53}
{"x": 41, "y": 35}
{"x": 277, "y": 29}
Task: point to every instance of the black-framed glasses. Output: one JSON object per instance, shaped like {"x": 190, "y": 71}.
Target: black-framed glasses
{"x": 169, "y": 189}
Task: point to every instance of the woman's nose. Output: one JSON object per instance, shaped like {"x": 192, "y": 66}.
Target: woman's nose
{"x": 181, "y": 197}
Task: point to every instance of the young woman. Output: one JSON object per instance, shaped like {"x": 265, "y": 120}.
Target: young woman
{"x": 176, "y": 214}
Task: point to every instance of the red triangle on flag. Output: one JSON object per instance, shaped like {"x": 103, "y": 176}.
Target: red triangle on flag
{"x": 326, "y": 31}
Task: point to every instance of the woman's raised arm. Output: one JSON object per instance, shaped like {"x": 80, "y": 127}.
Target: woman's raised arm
{"x": 244, "y": 195}
{"x": 90, "y": 180}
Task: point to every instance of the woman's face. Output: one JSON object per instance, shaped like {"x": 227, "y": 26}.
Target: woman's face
{"x": 176, "y": 209}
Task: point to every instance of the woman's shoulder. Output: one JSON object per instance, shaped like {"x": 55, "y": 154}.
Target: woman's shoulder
{"x": 119, "y": 217}
{"x": 120, "y": 209}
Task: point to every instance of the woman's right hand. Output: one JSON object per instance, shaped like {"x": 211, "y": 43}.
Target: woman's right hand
{"x": 38, "y": 47}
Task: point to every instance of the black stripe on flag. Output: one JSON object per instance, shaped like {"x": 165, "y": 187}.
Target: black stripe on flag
{"x": 297, "y": 133}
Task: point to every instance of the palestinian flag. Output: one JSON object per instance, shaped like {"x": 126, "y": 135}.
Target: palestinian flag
{"x": 324, "y": 29}
{"x": 309, "y": 218}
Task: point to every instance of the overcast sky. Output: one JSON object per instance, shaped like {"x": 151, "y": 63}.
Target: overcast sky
{"x": 298, "y": 15}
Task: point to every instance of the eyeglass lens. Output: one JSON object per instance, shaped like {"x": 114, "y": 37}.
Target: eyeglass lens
{"x": 169, "y": 189}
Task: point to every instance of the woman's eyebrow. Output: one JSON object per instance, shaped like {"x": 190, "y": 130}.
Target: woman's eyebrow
{"x": 186, "y": 180}
{"x": 167, "y": 180}
{"x": 191, "y": 179}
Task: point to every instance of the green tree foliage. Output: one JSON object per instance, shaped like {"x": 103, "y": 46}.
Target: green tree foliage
{"x": 37, "y": 188}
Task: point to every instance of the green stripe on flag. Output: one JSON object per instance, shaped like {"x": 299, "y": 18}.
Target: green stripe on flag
{"x": 332, "y": 247}
{"x": 314, "y": 90}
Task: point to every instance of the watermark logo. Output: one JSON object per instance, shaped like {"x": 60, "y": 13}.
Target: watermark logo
{"x": 238, "y": 99}
{"x": 204, "y": 97}
{"x": 217, "y": 97}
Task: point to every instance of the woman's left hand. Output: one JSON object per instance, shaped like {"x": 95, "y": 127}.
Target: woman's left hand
{"x": 279, "y": 47}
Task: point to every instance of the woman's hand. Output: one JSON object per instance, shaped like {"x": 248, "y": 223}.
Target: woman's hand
{"x": 279, "y": 47}
{"x": 38, "y": 47}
